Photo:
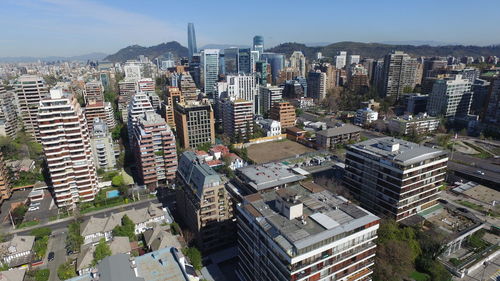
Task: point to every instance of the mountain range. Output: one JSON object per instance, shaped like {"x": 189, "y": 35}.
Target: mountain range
{"x": 132, "y": 52}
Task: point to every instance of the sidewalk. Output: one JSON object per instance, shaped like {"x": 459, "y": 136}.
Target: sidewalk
{"x": 70, "y": 218}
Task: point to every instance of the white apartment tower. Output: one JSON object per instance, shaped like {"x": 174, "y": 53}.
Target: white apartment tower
{"x": 298, "y": 61}
{"x": 210, "y": 69}
{"x": 138, "y": 105}
{"x": 8, "y": 115}
{"x": 102, "y": 145}
{"x": 450, "y": 97}
{"x": 65, "y": 139}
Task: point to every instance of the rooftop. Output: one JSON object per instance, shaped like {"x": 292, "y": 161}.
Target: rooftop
{"x": 269, "y": 175}
{"x": 337, "y": 131}
{"x": 164, "y": 264}
{"x": 324, "y": 215}
{"x": 397, "y": 150}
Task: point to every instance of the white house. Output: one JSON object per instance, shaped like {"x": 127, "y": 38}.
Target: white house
{"x": 17, "y": 251}
{"x": 365, "y": 116}
{"x": 272, "y": 127}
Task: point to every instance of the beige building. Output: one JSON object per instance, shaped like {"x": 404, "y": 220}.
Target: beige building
{"x": 66, "y": 143}
{"x": 174, "y": 96}
{"x": 238, "y": 119}
{"x": 5, "y": 191}
{"x": 194, "y": 122}
{"x": 283, "y": 112}
{"x": 93, "y": 92}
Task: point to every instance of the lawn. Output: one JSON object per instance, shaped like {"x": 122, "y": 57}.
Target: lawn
{"x": 419, "y": 276}
{"x": 28, "y": 224}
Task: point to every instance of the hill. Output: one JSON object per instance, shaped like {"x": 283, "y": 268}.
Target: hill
{"x": 132, "y": 52}
{"x": 378, "y": 50}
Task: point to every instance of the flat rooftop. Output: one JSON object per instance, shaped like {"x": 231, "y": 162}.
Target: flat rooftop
{"x": 397, "y": 150}
{"x": 160, "y": 265}
{"x": 478, "y": 192}
{"x": 324, "y": 215}
{"x": 269, "y": 175}
{"x": 342, "y": 130}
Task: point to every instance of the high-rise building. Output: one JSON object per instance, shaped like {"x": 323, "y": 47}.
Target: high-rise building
{"x": 254, "y": 58}
{"x": 450, "y": 97}
{"x": 102, "y": 145}
{"x": 284, "y": 112}
{"x": 245, "y": 61}
{"x": 276, "y": 62}
{"x": 210, "y": 68}
{"x": 101, "y": 110}
{"x": 194, "y": 121}
{"x": 341, "y": 59}
{"x": 394, "y": 178}
{"x": 237, "y": 119}
{"x": 5, "y": 190}
{"x": 353, "y": 59}
{"x": 155, "y": 150}
{"x": 132, "y": 70}
{"x": 304, "y": 232}
{"x": 316, "y": 85}
{"x": 173, "y": 96}
{"x": 357, "y": 78}
{"x": 242, "y": 86}
{"x": 139, "y": 105}
{"x": 293, "y": 90}
{"x": 399, "y": 72}
{"x": 481, "y": 89}
{"x": 491, "y": 112}
{"x": 192, "y": 49}
{"x": 298, "y": 61}
{"x": 93, "y": 92}
{"x": 258, "y": 44}
{"x": 30, "y": 90}
{"x": 146, "y": 85}
{"x": 268, "y": 96}
{"x": 66, "y": 144}
{"x": 231, "y": 61}
{"x": 204, "y": 204}
{"x": 8, "y": 114}
{"x": 262, "y": 71}
{"x": 188, "y": 86}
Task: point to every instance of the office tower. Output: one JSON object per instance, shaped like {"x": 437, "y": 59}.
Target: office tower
{"x": 192, "y": 49}
{"x": 283, "y": 112}
{"x": 231, "y": 61}
{"x": 30, "y": 90}
{"x": 480, "y": 88}
{"x": 155, "y": 150}
{"x": 101, "y": 110}
{"x": 415, "y": 103}
{"x": 146, "y": 85}
{"x": 8, "y": 114}
{"x": 258, "y": 44}
{"x": 286, "y": 74}
{"x": 298, "y": 61}
{"x": 195, "y": 70}
{"x": 173, "y": 97}
{"x": 357, "y": 79}
{"x": 242, "y": 86}
{"x": 293, "y": 90}
{"x": 353, "y": 59}
{"x": 244, "y": 61}
{"x": 204, "y": 204}
{"x": 378, "y": 75}
{"x": 102, "y": 145}
{"x": 94, "y": 91}
{"x": 409, "y": 186}
{"x": 237, "y": 119}
{"x": 194, "y": 121}
{"x": 277, "y": 63}
{"x": 132, "y": 70}
{"x": 316, "y": 85}
{"x": 399, "y": 73}
{"x": 341, "y": 59}
{"x": 139, "y": 105}
{"x": 492, "y": 107}
{"x": 210, "y": 68}
{"x": 254, "y": 58}
{"x": 261, "y": 72}
{"x": 65, "y": 140}
{"x": 304, "y": 232}
{"x": 450, "y": 97}
{"x": 188, "y": 86}
{"x": 369, "y": 65}
{"x": 5, "y": 191}
{"x": 470, "y": 74}
{"x": 268, "y": 96}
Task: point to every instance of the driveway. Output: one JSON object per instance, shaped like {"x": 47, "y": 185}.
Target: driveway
{"x": 56, "y": 245}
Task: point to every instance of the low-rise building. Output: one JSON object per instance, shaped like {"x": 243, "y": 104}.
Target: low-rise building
{"x": 17, "y": 251}
{"x": 365, "y": 116}
{"x": 304, "y": 232}
{"x": 421, "y": 124}
{"x": 329, "y": 138}
{"x": 270, "y": 126}
{"x": 94, "y": 228}
{"x": 303, "y": 102}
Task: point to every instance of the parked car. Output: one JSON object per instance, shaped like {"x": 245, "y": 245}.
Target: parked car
{"x": 31, "y": 209}
{"x": 480, "y": 172}
{"x": 51, "y": 256}
{"x": 34, "y": 204}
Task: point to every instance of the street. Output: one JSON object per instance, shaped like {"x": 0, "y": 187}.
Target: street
{"x": 56, "y": 245}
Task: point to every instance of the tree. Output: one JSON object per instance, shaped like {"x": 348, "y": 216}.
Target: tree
{"x": 102, "y": 250}
{"x": 41, "y": 232}
{"x": 18, "y": 214}
{"x": 126, "y": 229}
{"x": 74, "y": 240}
{"x": 194, "y": 256}
{"x": 407, "y": 89}
{"x": 66, "y": 271}
{"x": 117, "y": 180}
{"x": 393, "y": 261}
{"x": 40, "y": 246}
{"x": 39, "y": 274}
{"x": 204, "y": 146}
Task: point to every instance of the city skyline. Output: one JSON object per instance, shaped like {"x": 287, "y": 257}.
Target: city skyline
{"x": 63, "y": 28}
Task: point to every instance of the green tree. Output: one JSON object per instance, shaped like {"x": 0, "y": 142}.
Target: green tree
{"x": 204, "y": 146}
{"x": 40, "y": 246}
{"x": 407, "y": 89}
{"x": 127, "y": 228}
{"x": 102, "y": 250}
{"x": 117, "y": 181}
{"x": 66, "y": 271}
{"x": 194, "y": 255}
{"x": 393, "y": 261}
{"x": 18, "y": 214}
{"x": 74, "y": 240}
{"x": 41, "y": 232}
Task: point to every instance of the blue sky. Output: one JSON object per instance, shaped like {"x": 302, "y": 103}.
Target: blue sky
{"x": 74, "y": 27}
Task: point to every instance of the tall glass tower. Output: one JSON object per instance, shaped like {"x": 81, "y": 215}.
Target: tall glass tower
{"x": 191, "y": 40}
{"x": 258, "y": 44}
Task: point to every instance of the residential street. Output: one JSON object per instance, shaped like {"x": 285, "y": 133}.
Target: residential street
{"x": 56, "y": 245}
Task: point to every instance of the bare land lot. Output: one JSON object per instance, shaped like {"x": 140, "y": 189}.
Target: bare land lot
{"x": 273, "y": 151}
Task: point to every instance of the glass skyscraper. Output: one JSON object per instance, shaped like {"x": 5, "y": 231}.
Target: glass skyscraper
{"x": 210, "y": 64}
{"x": 258, "y": 44}
{"x": 191, "y": 40}
{"x": 231, "y": 60}
{"x": 244, "y": 61}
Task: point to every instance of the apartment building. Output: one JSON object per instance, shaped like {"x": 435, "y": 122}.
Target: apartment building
{"x": 194, "y": 122}
{"x": 102, "y": 145}
{"x": 30, "y": 90}
{"x": 269, "y": 95}
{"x": 450, "y": 97}
{"x": 146, "y": 85}
{"x": 304, "y": 232}
{"x": 8, "y": 114}
{"x": 155, "y": 150}
{"x": 421, "y": 124}
{"x": 100, "y": 110}
{"x": 365, "y": 116}
{"x": 393, "y": 177}
{"x": 329, "y": 138}
{"x": 238, "y": 119}
{"x": 93, "y": 92}
{"x": 174, "y": 96}
{"x": 283, "y": 112}
{"x": 399, "y": 72}
{"x": 204, "y": 204}
{"x": 5, "y": 191}
{"x": 66, "y": 144}
{"x": 138, "y": 105}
